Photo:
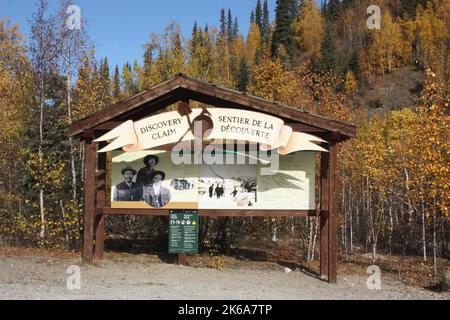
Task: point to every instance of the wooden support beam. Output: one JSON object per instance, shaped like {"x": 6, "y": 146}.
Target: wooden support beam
{"x": 89, "y": 202}
{"x": 107, "y": 126}
{"x": 113, "y": 112}
{"x": 182, "y": 259}
{"x": 101, "y": 202}
{"x": 184, "y": 88}
{"x": 222, "y": 97}
{"x": 332, "y": 220}
{"x": 99, "y": 236}
{"x": 324, "y": 202}
{"x": 210, "y": 213}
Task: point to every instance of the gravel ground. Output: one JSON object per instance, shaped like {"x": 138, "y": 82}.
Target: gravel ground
{"x": 147, "y": 277}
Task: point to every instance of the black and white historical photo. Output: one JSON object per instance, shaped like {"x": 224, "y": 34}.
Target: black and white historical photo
{"x": 182, "y": 184}
{"x": 145, "y": 173}
{"x": 158, "y": 182}
{"x": 127, "y": 190}
{"x": 154, "y": 193}
{"x": 227, "y": 186}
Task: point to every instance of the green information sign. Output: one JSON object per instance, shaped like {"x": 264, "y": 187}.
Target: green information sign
{"x": 183, "y": 231}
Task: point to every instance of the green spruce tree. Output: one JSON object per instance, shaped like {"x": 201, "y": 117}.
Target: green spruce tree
{"x": 243, "y": 78}
{"x": 230, "y": 26}
{"x": 258, "y": 15}
{"x": 334, "y": 10}
{"x": 194, "y": 38}
{"x": 408, "y": 7}
{"x": 235, "y": 28}
{"x": 116, "y": 84}
{"x": 223, "y": 23}
{"x": 265, "y": 29}
{"x": 285, "y": 12}
{"x": 329, "y": 59}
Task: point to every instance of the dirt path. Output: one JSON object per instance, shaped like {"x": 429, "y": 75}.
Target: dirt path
{"x": 33, "y": 276}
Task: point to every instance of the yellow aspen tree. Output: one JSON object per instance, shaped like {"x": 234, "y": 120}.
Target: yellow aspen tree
{"x": 351, "y": 84}
{"x": 252, "y": 43}
{"x": 432, "y": 165}
{"x": 433, "y": 35}
{"x": 309, "y": 30}
{"x": 386, "y": 47}
{"x": 270, "y": 80}
{"x": 16, "y": 91}
{"x": 87, "y": 89}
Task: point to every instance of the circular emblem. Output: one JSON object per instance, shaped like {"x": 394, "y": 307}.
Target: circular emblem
{"x": 204, "y": 123}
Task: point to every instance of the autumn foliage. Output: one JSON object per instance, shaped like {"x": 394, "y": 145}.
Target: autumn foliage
{"x": 393, "y": 178}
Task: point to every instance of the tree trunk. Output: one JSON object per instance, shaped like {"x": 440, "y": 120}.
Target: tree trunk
{"x": 434, "y": 249}
{"x": 41, "y": 161}
{"x": 351, "y": 217}
{"x": 424, "y": 240}
{"x": 82, "y": 160}
{"x": 72, "y": 151}
{"x": 316, "y": 231}
{"x": 344, "y": 221}
{"x": 66, "y": 231}
{"x": 391, "y": 225}
{"x": 444, "y": 239}
{"x": 310, "y": 240}
{"x": 372, "y": 224}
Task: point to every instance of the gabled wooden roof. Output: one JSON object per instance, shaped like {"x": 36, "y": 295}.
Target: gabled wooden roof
{"x": 185, "y": 88}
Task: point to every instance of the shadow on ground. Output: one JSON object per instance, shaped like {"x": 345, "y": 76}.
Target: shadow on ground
{"x": 141, "y": 246}
{"x": 259, "y": 255}
{"x": 159, "y": 249}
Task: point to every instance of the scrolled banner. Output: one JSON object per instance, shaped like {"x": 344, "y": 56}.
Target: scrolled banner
{"x": 216, "y": 123}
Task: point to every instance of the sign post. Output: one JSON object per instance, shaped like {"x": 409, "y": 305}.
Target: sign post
{"x": 183, "y": 232}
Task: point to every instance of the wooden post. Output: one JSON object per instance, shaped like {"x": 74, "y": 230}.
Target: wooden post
{"x": 181, "y": 259}
{"x": 332, "y": 220}
{"x": 99, "y": 236}
{"x": 89, "y": 202}
{"x": 324, "y": 203}
{"x": 101, "y": 202}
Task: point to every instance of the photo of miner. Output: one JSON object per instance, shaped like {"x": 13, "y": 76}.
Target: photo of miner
{"x": 145, "y": 173}
{"x": 154, "y": 193}
{"x": 127, "y": 190}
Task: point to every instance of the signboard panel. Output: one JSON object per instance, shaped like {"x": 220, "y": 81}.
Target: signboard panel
{"x": 158, "y": 179}
{"x": 183, "y": 231}
{"x": 293, "y": 185}
{"x": 149, "y": 179}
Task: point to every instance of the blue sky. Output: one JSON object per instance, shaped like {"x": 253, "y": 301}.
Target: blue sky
{"x": 120, "y": 28}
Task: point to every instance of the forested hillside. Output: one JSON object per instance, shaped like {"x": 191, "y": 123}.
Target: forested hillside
{"x": 394, "y": 177}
